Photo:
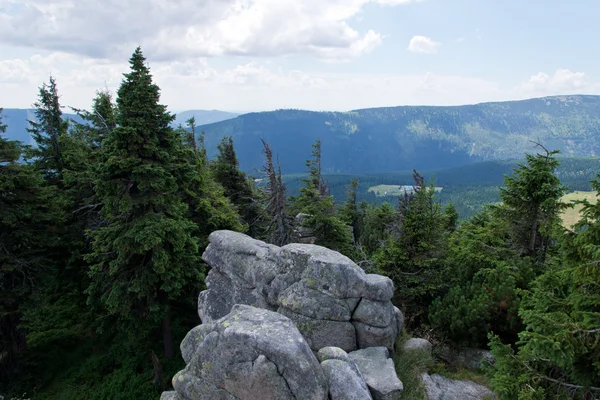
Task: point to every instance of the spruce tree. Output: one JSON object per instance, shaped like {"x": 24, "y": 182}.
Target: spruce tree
{"x": 47, "y": 131}
{"x": 238, "y": 187}
{"x": 145, "y": 253}
{"x": 531, "y": 203}
{"x": 414, "y": 251}
{"x": 209, "y": 208}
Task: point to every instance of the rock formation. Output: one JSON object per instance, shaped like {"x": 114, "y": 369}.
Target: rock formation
{"x": 332, "y": 301}
{"x": 269, "y": 312}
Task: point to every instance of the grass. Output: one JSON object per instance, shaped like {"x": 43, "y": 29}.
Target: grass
{"x": 571, "y": 215}
{"x": 410, "y": 365}
{"x": 461, "y": 374}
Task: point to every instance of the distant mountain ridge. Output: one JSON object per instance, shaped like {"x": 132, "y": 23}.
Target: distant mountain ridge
{"x": 423, "y": 137}
{"x": 17, "y": 120}
{"x": 203, "y": 117}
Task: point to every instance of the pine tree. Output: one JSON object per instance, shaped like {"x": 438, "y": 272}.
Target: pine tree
{"x": 47, "y": 131}
{"x": 145, "y": 253}
{"x": 238, "y": 187}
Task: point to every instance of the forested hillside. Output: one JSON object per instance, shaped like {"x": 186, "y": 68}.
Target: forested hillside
{"x": 103, "y": 224}
{"x": 401, "y": 138}
{"x": 469, "y": 188}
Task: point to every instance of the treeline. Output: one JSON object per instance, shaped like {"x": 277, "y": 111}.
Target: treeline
{"x": 103, "y": 224}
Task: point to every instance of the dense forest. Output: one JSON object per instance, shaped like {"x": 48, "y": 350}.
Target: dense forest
{"x": 103, "y": 223}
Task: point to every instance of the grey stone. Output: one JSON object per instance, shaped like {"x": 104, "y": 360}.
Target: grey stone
{"x": 316, "y": 287}
{"x": 171, "y": 396}
{"x": 441, "y": 388}
{"x": 243, "y": 259}
{"x": 216, "y": 302}
{"x": 321, "y": 333}
{"x": 372, "y": 336}
{"x": 251, "y": 353}
{"x": 192, "y": 340}
{"x": 399, "y": 320}
{"x": 417, "y": 344}
{"x": 332, "y": 353}
{"x": 375, "y": 313}
{"x": 465, "y": 357}
{"x": 311, "y": 302}
{"x": 379, "y": 372}
{"x": 345, "y": 381}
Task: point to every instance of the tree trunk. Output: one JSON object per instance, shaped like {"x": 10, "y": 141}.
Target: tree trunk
{"x": 167, "y": 336}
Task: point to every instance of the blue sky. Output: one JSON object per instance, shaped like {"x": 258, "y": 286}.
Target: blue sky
{"x": 252, "y": 55}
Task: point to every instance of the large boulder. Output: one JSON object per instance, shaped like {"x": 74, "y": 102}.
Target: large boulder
{"x": 250, "y": 353}
{"x": 441, "y": 388}
{"x": 378, "y": 370}
{"x": 332, "y": 301}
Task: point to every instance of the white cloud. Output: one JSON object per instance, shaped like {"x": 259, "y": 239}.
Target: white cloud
{"x": 176, "y": 29}
{"x": 423, "y": 44}
{"x": 563, "y": 80}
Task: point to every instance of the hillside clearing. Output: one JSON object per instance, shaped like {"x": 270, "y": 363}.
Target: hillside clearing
{"x": 571, "y": 215}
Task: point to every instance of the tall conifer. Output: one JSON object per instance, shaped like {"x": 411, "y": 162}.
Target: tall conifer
{"x": 145, "y": 253}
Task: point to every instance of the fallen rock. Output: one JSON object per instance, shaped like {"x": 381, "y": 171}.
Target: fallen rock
{"x": 332, "y": 301}
{"x": 345, "y": 381}
{"x": 251, "y": 353}
{"x": 441, "y": 388}
{"x": 379, "y": 372}
{"x": 417, "y": 344}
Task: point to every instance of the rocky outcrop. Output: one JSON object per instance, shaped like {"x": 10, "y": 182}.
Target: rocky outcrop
{"x": 249, "y": 354}
{"x": 441, "y": 388}
{"x": 330, "y": 299}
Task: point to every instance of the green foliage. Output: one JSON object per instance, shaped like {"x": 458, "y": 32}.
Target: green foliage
{"x": 410, "y": 366}
{"x": 376, "y": 225}
{"x": 238, "y": 188}
{"x": 29, "y": 217}
{"x": 47, "y": 131}
{"x": 319, "y": 207}
{"x": 145, "y": 253}
{"x": 558, "y": 350}
{"x": 414, "y": 251}
{"x": 499, "y": 253}
{"x": 531, "y": 204}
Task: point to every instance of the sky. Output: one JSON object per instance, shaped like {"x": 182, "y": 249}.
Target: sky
{"x": 255, "y": 55}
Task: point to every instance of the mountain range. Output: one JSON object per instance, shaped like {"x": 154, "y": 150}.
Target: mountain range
{"x": 391, "y": 139}
{"x": 17, "y": 119}
{"x": 422, "y": 137}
